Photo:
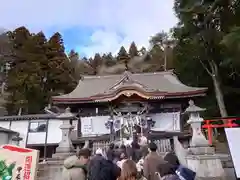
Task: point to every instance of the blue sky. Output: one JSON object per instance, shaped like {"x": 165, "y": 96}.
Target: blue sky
{"x": 91, "y": 26}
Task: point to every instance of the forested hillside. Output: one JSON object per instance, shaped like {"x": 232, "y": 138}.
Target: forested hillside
{"x": 203, "y": 49}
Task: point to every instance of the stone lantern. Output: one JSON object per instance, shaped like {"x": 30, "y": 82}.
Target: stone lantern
{"x": 200, "y": 157}
{"x": 195, "y": 121}
{"x": 65, "y": 146}
{"x": 16, "y": 139}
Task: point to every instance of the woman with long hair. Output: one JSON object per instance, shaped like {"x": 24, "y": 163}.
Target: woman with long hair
{"x": 129, "y": 171}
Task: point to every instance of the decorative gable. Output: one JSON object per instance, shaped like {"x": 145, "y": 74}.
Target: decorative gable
{"x": 126, "y": 81}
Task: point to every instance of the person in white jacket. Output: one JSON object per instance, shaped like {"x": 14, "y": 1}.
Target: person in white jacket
{"x": 123, "y": 158}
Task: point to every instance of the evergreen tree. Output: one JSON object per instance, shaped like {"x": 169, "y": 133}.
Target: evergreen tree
{"x": 202, "y": 49}
{"x": 142, "y": 51}
{"x": 123, "y": 57}
{"x": 16, "y": 87}
{"x": 5, "y": 56}
{"x": 28, "y": 65}
{"x": 96, "y": 62}
{"x": 133, "y": 51}
{"x": 37, "y": 80}
{"x": 109, "y": 60}
{"x": 61, "y": 75}
{"x": 75, "y": 64}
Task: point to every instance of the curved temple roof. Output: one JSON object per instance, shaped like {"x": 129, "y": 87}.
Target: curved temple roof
{"x": 159, "y": 85}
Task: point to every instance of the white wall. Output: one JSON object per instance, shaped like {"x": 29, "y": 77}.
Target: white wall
{"x": 54, "y": 132}
{"x": 5, "y": 124}
{"x": 36, "y": 137}
{"x": 4, "y": 138}
{"x": 95, "y": 125}
{"x": 22, "y": 128}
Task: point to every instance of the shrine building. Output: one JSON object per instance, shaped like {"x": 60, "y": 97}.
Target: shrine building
{"x": 142, "y": 103}
{"x": 110, "y": 108}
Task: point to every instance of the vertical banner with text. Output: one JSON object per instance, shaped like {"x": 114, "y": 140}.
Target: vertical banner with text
{"x": 18, "y": 163}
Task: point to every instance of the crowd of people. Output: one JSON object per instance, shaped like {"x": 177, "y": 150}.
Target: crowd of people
{"x": 118, "y": 164}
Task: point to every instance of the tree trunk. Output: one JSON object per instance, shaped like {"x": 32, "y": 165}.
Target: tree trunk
{"x": 218, "y": 94}
{"x": 218, "y": 90}
{"x": 219, "y": 97}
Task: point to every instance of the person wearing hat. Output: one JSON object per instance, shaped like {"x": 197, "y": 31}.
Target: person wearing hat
{"x": 151, "y": 162}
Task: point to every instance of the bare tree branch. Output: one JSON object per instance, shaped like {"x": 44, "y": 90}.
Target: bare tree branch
{"x": 205, "y": 67}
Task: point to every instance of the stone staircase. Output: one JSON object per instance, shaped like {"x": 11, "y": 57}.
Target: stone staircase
{"x": 50, "y": 170}
{"x": 221, "y": 148}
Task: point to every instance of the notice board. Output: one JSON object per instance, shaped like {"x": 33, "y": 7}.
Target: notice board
{"x": 233, "y": 135}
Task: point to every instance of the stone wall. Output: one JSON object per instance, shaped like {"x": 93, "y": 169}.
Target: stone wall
{"x": 4, "y": 138}
{"x": 51, "y": 170}
{"x": 228, "y": 167}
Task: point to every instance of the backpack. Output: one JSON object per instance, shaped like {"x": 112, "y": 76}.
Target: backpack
{"x": 108, "y": 170}
{"x": 185, "y": 173}
{"x": 105, "y": 170}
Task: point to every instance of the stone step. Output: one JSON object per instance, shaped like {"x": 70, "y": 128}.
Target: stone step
{"x": 221, "y": 147}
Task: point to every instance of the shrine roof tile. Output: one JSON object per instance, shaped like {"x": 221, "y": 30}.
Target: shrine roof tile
{"x": 7, "y": 130}
{"x": 90, "y": 87}
{"x": 27, "y": 117}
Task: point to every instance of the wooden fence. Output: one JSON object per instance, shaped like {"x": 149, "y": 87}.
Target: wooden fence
{"x": 164, "y": 145}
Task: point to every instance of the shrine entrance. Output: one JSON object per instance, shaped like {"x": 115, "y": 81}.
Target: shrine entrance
{"x": 129, "y": 119}
{"x": 209, "y": 125}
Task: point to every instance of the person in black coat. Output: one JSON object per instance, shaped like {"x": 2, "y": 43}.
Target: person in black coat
{"x": 110, "y": 152}
{"x": 171, "y": 158}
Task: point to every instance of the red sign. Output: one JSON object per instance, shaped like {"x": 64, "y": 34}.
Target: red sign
{"x": 27, "y": 168}
{"x": 23, "y": 161}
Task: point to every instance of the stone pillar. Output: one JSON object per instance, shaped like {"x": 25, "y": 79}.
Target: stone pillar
{"x": 65, "y": 147}
{"x": 201, "y": 158}
{"x": 16, "y": 139}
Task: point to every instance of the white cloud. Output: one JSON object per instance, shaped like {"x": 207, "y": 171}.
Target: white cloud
{"x": 134, "y": 19}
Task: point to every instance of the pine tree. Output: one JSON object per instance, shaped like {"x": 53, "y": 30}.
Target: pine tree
{"x": 123, "y": 57}
{"x": 36, "y": 81}
{"x": 109, "y": 60}
{"x": 16, "y": 87}
{"x": 95, "y": 63}
{"x": 133, "y": 51}
{"x": 75, "y": 64}
{"x": 61, "y": 75}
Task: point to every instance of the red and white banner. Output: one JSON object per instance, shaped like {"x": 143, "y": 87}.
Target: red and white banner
{"x": 18, "y": 163}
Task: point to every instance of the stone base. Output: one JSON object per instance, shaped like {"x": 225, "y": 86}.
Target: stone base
{"x": 201, "y": 150}
{"x": 62, "y": 156}
{"x": 62, "y": 149}
{"x": 206, "y": 166}
{"x": 50, "y": 170}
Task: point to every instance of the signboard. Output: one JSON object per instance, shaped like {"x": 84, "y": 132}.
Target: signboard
{"x": 166, "y": 121}
{"x": 18, "y": 163}
{"x": 233, "y": 135}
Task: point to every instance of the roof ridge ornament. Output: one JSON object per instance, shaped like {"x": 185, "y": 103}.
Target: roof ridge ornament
{"x": 127, "y": 73}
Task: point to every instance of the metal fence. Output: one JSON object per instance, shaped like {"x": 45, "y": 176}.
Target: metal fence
{"x": 164, "y": 145}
